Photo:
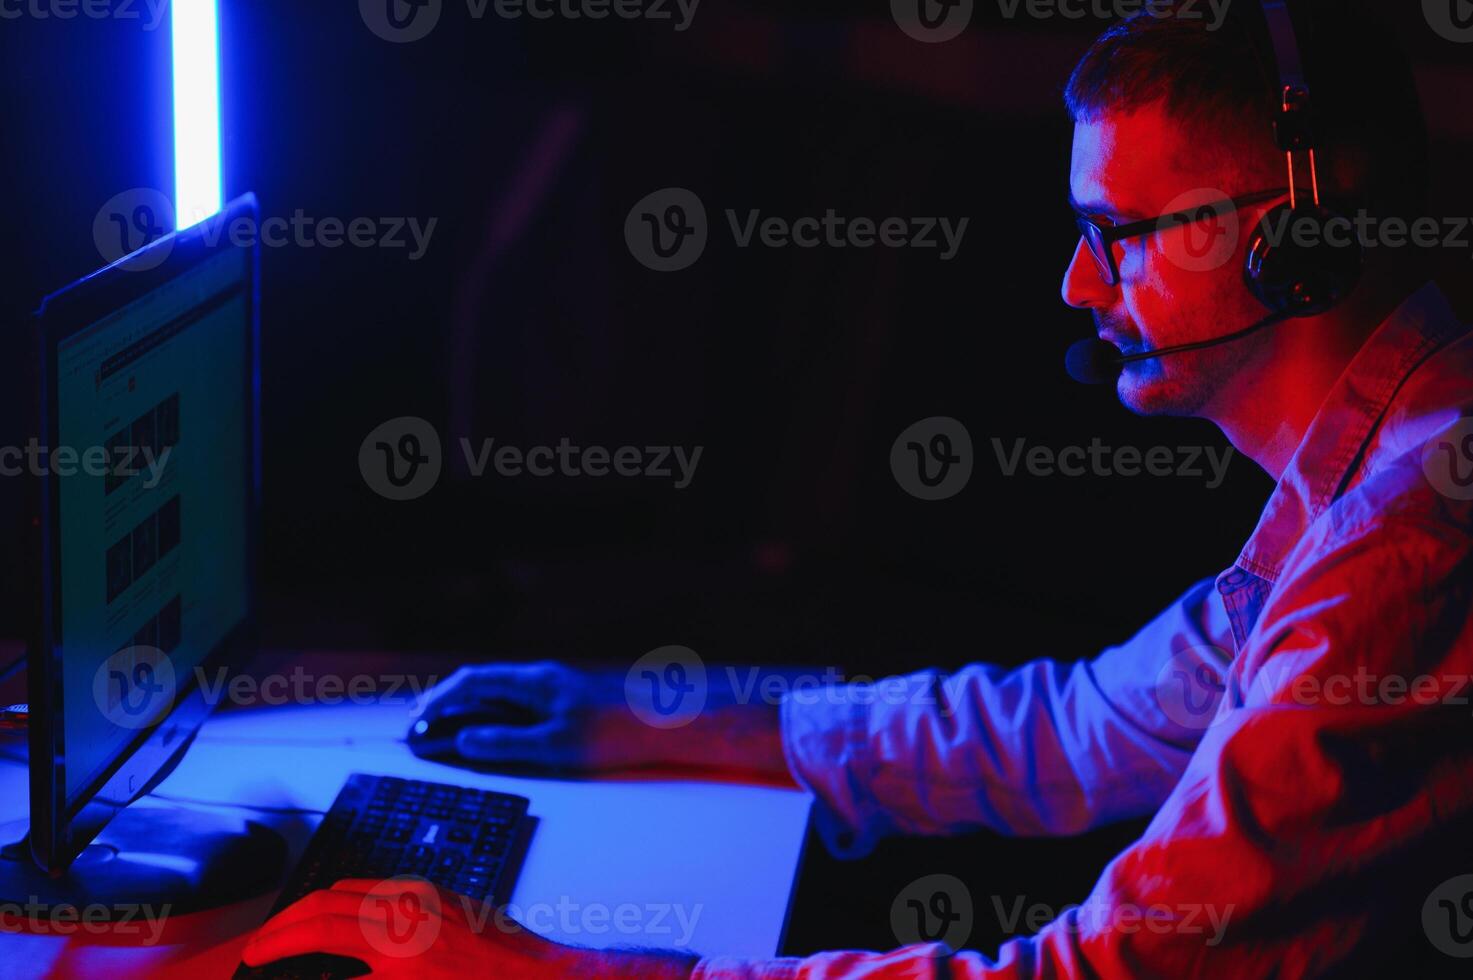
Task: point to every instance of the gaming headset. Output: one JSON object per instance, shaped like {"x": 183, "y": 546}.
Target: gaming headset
{"x": 1289, "y": 277}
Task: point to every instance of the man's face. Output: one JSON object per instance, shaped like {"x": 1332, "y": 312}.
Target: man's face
{"x": 1177, "y": 285}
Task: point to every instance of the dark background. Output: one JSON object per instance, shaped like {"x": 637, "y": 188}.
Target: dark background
{"x": 528, "y": 321}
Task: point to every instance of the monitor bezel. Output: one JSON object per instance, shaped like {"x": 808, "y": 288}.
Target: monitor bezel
{"x": 59, "y": 829}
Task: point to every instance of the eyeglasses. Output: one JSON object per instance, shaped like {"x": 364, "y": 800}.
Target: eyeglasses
{"x": 1101, "y": 238}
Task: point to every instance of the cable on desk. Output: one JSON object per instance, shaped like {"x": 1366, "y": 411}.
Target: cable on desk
{"x": 169, "y": 797}
{"x": 12, "y": 668}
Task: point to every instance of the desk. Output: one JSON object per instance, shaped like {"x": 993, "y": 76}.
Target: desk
{"x": 726, "y": 855}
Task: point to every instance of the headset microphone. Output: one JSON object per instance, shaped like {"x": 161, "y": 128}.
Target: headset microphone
{"x": 1094, "y": 362}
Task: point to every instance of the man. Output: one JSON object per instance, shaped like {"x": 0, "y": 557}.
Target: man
{"x": 1301, "y": 826}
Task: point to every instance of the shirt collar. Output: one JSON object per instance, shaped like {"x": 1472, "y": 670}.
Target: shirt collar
{"x": 1344, "y": 425}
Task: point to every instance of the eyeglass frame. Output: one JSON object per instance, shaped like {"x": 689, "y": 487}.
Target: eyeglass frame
{"x": 1109, "y": 235}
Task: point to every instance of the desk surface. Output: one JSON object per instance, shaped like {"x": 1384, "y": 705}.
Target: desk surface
{"x": 713, "y": 864}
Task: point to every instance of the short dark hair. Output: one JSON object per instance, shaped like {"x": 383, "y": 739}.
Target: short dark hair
{"x": 1222, "y": 86}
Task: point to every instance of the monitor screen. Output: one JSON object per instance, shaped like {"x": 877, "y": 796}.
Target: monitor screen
{"x": 152, "y": 551}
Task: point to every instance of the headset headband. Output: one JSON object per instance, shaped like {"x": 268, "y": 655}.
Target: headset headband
{"x": 1294, "y": 126}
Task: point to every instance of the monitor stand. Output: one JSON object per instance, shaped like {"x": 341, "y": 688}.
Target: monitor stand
{"x": 164, "y": 859}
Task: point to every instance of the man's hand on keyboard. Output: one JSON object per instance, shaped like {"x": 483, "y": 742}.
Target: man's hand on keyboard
{"x": 411, "y": 929}
{"x": 584, "y": 722}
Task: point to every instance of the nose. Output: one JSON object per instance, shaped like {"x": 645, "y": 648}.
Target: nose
{"x": 1084, "y": 287}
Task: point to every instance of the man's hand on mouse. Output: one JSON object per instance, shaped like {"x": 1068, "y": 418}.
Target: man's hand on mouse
{"x": 587, "y": 725}
{"x": 573, "y": 707}
{"x": 409, "y": 928}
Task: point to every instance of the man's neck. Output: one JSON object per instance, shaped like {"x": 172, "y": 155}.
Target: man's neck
{"x": 1266, "y": 420}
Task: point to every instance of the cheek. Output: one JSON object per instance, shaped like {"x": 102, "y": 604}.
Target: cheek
{"x": 1179, "y": 283}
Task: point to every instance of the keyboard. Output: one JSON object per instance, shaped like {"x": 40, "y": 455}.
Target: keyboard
{"x": 469, "y": 841}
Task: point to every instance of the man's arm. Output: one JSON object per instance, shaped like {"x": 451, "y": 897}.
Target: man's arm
{"x": 1319, "y": 812}
{"x": 1042, "y": 749}
{"x": 1045, "y": 749}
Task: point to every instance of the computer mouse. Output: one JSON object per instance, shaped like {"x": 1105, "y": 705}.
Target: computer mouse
{"x": 435, "y": 736}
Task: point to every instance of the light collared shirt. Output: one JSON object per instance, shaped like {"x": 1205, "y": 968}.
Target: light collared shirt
{"x": 1300, "y": 726}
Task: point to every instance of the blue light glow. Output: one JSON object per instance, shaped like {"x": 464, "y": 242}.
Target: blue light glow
{"x": 197, "y": 184}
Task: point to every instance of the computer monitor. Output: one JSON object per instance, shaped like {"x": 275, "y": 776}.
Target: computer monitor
{"x": 145, "y": 525}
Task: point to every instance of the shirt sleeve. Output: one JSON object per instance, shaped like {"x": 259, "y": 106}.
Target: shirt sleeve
{"x": 1324, "y": 804}
{"x": 1045, "y": 749}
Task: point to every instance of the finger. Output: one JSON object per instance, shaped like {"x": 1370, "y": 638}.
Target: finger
{"x": 446, "y": 903}
{"x": 340, "y": 935}
{"x": 362, "y": 886}
{"x": 312, "y": 905}
{"x": 539, "y": 744}
{"x": 386, "y": 886}
{"x": 525, "y": 685}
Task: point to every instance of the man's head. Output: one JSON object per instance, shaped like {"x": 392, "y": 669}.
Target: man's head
{"x": 1170, "y": 114}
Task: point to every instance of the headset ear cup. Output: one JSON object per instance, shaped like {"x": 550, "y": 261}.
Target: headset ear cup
{"x": 1303, "y": 261}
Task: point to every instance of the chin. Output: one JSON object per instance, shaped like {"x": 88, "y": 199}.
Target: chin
{"x": 1156, "y": 394}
